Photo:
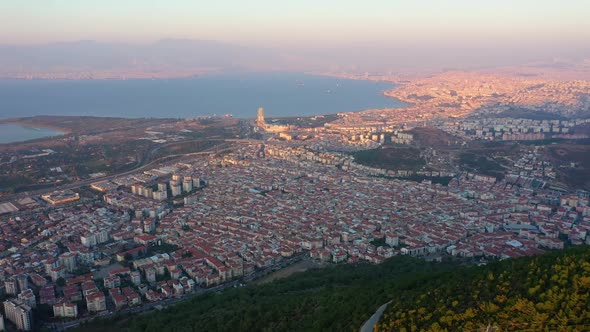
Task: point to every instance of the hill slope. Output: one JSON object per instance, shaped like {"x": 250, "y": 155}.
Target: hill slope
{"x": 548, "y": 291}
{"x": 544, "y": 293}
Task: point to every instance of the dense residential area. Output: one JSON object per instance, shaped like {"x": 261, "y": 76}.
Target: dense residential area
{"x": 314, "y": 166}
{"x": 212, "y": 220}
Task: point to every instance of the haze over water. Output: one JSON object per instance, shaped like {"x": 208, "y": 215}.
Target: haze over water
{"x": 281, "y": 94}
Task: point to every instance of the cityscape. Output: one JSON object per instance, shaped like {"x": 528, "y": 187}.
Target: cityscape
{"x": 222, "y": 217}
{"x": 463, "y": 204}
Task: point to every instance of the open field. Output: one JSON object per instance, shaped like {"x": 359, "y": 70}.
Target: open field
{"x": 87, "y": 124}
{"x": 300, "y": 266}
{"x": 101, "y": 145}
{"x": 434, "y": 137}
{"x": 391, "y": 157}
{"x": 573, "y": 161}
{"x": 480, "y": 163}
{"x": 305, "y": 122}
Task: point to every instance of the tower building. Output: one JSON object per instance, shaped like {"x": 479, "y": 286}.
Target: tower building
{"x": 260, "y": 117}
{"x": 19, "y": 313}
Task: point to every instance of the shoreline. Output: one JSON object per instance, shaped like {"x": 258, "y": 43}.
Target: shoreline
{"x": 394, "y": 82}
{"x": 35, "y": 125}
{"x": 22, "y": 134}
{"x": 59, "y": 123}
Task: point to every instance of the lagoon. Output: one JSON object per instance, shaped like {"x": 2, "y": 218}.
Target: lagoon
{"x": 10, "y": 133}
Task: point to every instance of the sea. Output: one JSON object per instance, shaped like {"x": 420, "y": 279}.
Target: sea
{"x": 280, "y": 94}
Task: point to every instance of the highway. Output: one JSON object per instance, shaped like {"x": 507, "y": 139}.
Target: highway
{"x": 150, "y": 163}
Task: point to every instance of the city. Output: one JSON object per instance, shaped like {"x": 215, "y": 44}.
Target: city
{"x": 222, "y": 218}
{"x": 393, "y": 166}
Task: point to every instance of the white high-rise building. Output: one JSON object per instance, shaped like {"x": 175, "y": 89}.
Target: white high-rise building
{"x": 260, "y": 117}
{"x": 102, "y": 236}
{"x": 88, "y": 240}
{"x": 196, "y": 182}
{"x": 19, "y": 313}
{"x": 23, "y": 282}
{"x": 160, "y": 195}
{"x": 68, "y": 259}
{"x": 176, "y": 188}
{"x": 187, "y": 184}
{"x": 11, "y": 286}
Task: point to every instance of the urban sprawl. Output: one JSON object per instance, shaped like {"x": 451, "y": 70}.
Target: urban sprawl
{"x": 217, "y": 220}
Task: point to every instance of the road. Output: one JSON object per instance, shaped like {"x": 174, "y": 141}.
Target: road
{"x": 150, "y": 163}
{"x": 370, "y": 324}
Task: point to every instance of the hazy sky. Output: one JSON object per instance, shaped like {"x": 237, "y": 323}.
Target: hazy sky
{"x": 526, "y": 28}
{"x": 294, "y": 22}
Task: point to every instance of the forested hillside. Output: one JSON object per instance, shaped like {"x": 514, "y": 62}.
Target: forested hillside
{"x": 335, "y": 298}
{"x": 544, "y": 293}
{"x": 548, "y": 292}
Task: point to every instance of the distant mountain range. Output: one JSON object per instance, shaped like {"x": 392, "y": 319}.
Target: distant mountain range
{"x": 184, "y": 58}
{"x": 170, "y": 57}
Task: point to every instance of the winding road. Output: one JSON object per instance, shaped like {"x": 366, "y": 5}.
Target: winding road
{"x": 370, "y": 324}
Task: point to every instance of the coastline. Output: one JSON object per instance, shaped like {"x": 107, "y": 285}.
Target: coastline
{"x": 16, "y": 134}
{"x": 383, "y": 91}
{"x": 35, "y": 124}
{"x": 388, "y": 93}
